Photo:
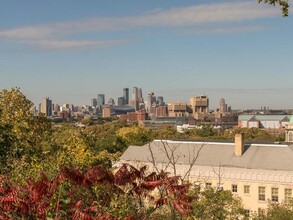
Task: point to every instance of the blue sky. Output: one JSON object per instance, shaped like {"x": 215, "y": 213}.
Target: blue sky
{"x": 71, "y": 50}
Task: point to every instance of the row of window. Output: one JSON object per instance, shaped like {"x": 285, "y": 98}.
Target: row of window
{"x": 262, "y": 193}
{"x": 261, "y": 212}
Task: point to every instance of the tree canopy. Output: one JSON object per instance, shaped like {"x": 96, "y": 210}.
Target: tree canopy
{"x": 282, "y": 3}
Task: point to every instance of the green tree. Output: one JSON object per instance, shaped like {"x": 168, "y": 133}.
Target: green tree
{"x": 136, "y": 135}
{"x": 277, "y": 211}
{"x": 216, "y": 205}
{"x": 167, "y": 133}
{"x": 203, "y": 132}
{"x": 252, "y": 134}
{"x": 104, "y": 137}
{"x": 22, "y": 133}
{"x": 283, "y": 4}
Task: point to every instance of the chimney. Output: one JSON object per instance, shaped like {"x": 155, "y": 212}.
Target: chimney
{"x": 239, "y": 145}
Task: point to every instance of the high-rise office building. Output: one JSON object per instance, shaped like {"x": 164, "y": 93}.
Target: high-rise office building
{"x": 149, "y": 101}
{"x": 137, "y": 100}
{"x": 56, "y": 107}
{"x": 40, "y": 107}
{"x": 223, "y": 105}
{"x": 101, "y": 100}
{"x": 120, "y": 101}
{"x": 126, "y": 96}
{"x": 139, "y": 96}
{"x": 94, "y": 102}
{"x": 134, "y": 104}
{"x": 135, "y": 94}
{"x": 160, "y": 100}
{"x": 46, "y": 106}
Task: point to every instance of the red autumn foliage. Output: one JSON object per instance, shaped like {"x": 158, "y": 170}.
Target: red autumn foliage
{"x": 71, "y": 194}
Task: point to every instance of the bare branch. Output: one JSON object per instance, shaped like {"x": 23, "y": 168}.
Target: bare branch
{"x": 192, "y": 161}
{"x": 219, "y": 173}
{"x": 153, "y": 158}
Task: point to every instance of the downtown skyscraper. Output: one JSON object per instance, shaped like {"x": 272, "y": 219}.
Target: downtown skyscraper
{"x": 46, "y": 106}
{"x": 126, "y": 96}
{"x": 101, "y": 100}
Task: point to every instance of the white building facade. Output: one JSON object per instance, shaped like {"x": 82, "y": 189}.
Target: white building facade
{"x": 255, "y": 173}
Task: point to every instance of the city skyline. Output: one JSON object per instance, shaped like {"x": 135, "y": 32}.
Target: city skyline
{"x": 71, "y": 51}
{"x": 213, "y": 103}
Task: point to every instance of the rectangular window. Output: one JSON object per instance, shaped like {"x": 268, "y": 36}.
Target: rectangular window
{"x": 275, "y": 194}
{"x": 246, "y": 212}
{"x": 261, "y": 193}
{"x": 288, "y": 195}
{"x": 246, "y": 189}
{"x": 234, "y": 188}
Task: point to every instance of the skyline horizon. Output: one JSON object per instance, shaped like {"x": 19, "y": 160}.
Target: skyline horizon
{"x": 182, "y": 96}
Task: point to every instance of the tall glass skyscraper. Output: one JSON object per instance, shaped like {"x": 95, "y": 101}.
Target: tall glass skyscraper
{"x": 101, "y": 100}
{"x": 126, "y": 95}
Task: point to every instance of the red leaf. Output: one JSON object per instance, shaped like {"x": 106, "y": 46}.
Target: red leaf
{"x": 161, "y": 201}
{"x": 179, "y": 208}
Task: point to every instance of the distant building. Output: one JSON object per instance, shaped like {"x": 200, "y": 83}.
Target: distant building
{"x": 263, "y": 121}
{"x": 111, "y": 102}
{"x": 134, "y": 116}
{"x": 101, "y": 100}
{"x": 135, "y": 93}
{"x": 134, "y": 103}
{"x": 160, "y": 100}
{"x": 129, "y": 117}
{"x": 223, "y": 105}
{"x": 65, "y": 114}
{"x": 178, "y": 109}
{"x": 121, "y": 101}
{"x": 152, "y": 111}
{"x": 46, "y": 106}
{"x": 56, "y": 107}
{"x": 142, "y": 115}
{"x": 136, "y": 98}
{"x": 149, "y": 101}
{"x": 162, "y": 111}
{"x": 161, "y": 122}
{"x": 40, "y": 107}
{"x": 199, "y": 104}
{"x": 120, "y": 110}
{"x": 94, "y": 102}
{"x": 137, "y": 101}
{"x": 289, "y": 131}
{"x": 106, "y": 111}
{"x": 67, "y": 107}
{"x": 140, "y": 99}
{"x": 126, "y": 96}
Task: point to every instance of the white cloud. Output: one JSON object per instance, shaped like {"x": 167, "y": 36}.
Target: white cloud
{"x": 224, "y": 30}
{"x": 228, "y": 12}
{"x": 72, "y": 44}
